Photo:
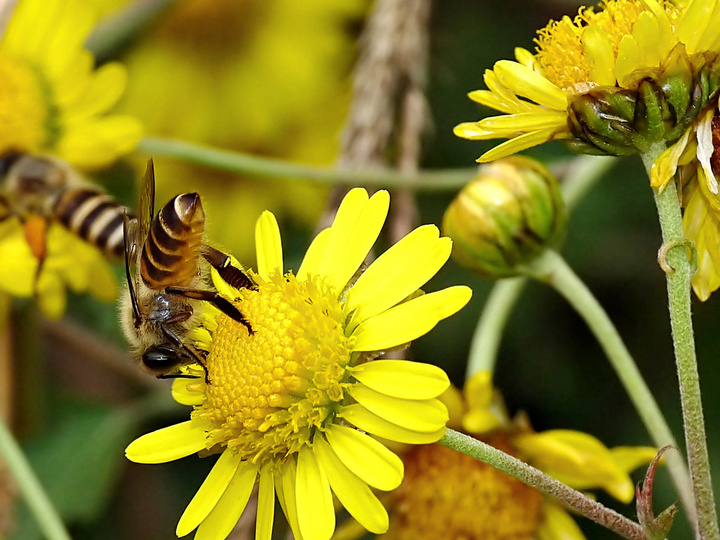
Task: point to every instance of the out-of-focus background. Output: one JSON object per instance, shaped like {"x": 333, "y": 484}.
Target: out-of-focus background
{"x": 273, "y": 77}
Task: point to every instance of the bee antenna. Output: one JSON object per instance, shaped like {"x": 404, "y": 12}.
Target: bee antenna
{"x": 131, "y": 288}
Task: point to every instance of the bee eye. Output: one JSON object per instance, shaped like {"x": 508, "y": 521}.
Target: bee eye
{"x": 160, "y": 358}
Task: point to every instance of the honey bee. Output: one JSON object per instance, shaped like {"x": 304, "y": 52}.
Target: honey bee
{"x": 167, "y": 268}
{"x": 40, "y": 190}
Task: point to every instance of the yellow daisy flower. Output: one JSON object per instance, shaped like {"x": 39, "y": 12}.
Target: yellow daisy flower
{"x": 446, "y": 494}
{"x": 293, "y": 406}
{"x": 52, "y": 99}
{"x": 610, "y": 81}
{"x": 54, "y": 102}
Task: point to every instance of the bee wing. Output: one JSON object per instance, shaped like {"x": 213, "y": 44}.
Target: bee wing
{"x": 130, "y": 229}
{"x": 146, "y": 203}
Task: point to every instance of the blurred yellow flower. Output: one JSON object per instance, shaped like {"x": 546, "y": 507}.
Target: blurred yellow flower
{"x": 269, "y": 77}
{"x": 446, "y": 494}
{"x": 610, "y": 81}
{"x": 70, "y": 262}
{"x": 52, "y": 99}
{"x": 293, "y": 404}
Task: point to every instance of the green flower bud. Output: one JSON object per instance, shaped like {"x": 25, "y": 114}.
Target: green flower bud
{"x": 620, "y": 121}
{"x": 507, "y": 215}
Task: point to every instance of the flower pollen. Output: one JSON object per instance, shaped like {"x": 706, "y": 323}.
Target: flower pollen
{"x": 269, "y": 391}
{"x": 561, "y": 52}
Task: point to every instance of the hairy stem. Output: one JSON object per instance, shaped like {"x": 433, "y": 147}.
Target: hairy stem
{"x": 679, "y": 302}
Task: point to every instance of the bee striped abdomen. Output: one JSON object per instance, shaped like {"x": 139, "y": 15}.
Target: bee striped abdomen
{"x": 170, "y": 253}
{"x": 94, "y": 217}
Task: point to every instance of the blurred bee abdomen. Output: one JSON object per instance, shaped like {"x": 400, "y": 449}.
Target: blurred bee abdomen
{"x": 172, "y": 249}
{"x": 94, "y": 217}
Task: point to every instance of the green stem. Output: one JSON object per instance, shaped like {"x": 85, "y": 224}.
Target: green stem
{"x": 539, "y": 480}
{"x": 551, "y": 268}
{"x": 679, "y": 301}
{"x": 441, "y": 180}
{"x": 581, "y": 175}
{"x": 496, "y": 311}
{"x": 36, "y": 498}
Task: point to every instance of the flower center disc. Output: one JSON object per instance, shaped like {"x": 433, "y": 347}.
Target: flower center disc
{"x": 446, "y": 494}
{"x": 271, "y": 390}
{"x": 23, "y": 107}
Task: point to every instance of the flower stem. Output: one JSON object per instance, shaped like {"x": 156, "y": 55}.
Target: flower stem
{"x": 551, "y": 268}
{"x": 48, "y": 520}
{"x": 237, "y": 162}
{"x": 679, "y": 301}
{"x": 497, "y": 309}
{"x": 535, "y": 478}
{"x": 582, "y": 173}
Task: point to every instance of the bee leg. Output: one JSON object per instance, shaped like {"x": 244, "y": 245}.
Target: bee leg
{"x": 214, "y": 298}
{"x": 222, "y": 263}
{"x": 175, "y": 340}
{"x": 35, "y": 228}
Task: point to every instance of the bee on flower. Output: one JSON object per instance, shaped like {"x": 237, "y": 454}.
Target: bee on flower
{"x": 294, "y": 406}
{"x": 54, "y": 102}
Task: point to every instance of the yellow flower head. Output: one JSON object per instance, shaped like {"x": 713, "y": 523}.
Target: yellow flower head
{"x": 293, "y": 404}
{"x": 446, "y": 494}
{"x": 52, "y": 99}
{"x": 610, "y": 81}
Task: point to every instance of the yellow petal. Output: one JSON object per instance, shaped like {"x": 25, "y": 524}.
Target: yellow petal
{"x": 185, "y": 392}
{"x": 352, "y": 234}
{"x": 167, "y": 444}
{"x": 223, "y": 518}
{"x": 600, "y": 55}
{"x": 92, "y": 145}
{"x": 693, "y": 23}
{"x": 665, "y": 166}
{"x": 628, "y": 60}
{"x": 105, "y": 89}
{"x": 473, "y": 132}
{"x": 409, "y": 320}
{"x": 313, "y": 255}
{"x": 509, "y": 125}
{"x": 209, "y": 493}
{"x": 353, "y": 493}
{"x": 366, "y": 457}
{"x": 403, "y": 379}
{"x": 266, "y": 505}
{"x": 363, "y": 419}
{"x": 316, "y": 514}
{"x": 518, "y": 144}
{"x": 286, "y": 494}
{"x": 268, "y": 245}
{"x": 705, "y": 149}
{"x": 427, "y": 415}
{"x": 577, "y": 459}
{"x": 647, "y": 35}
{"x": 629, "y": 458}
{"x": 398, "y": 272}
{"x": 557, "y": 524}
{"x": 525, "y": 82}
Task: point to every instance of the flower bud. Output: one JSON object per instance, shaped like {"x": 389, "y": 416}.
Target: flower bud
{"x": 619, "y": 121}
{"x": 505, "y": 217}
